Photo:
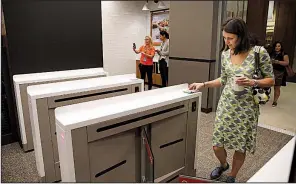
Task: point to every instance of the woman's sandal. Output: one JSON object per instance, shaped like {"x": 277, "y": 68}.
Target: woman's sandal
{"x": 274, "y": 104}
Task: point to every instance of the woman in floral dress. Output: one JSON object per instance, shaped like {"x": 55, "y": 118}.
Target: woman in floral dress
{"x": 237, "y": 114}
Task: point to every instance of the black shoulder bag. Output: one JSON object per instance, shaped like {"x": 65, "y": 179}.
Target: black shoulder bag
{"x": 261, "y": 95}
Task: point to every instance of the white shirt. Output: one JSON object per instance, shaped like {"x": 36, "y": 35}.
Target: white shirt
{"x": 164, "y": 51}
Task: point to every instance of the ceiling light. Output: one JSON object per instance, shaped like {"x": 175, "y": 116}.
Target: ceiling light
{"x": 145, "y": 7}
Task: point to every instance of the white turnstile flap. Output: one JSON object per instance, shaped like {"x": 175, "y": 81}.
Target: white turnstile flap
{"x": 57, "y": 75}
{"x": 88, "y": 113}
{"x": 76, "y": 86}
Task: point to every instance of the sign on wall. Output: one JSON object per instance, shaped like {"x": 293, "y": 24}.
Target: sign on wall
{"x": 159, "y": 21}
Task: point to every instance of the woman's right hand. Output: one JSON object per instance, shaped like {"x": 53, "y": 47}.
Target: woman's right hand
{"x": 137, "y": 52}
{"x": 196, "y": 86}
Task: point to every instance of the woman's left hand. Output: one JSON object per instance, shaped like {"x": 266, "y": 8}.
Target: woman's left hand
{"x": 245, "y": 81}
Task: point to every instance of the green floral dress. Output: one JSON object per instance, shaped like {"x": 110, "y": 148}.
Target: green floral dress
{"x": 237, "y": 115}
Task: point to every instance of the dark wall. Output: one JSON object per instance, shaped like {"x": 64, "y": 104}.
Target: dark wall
{"x": 257, "y": 18}
{"x": 9, "y": 129}
{"x": 49, "y": 35}
{"x": 285, "y": 26}
{"x": 53, "y": 35}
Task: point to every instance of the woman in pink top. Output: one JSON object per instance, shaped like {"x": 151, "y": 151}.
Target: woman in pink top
{"x": 146, "y": 61}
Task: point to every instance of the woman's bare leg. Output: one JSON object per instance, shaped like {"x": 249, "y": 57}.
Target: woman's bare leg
{"x": 221, "y": 154}
{"x": 277, "y": 93}
{"x": 238, "y": 161}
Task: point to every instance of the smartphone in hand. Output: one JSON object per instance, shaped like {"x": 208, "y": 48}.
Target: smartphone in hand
{"x": 188, "y": 91}
{"x": 134, "y": 45}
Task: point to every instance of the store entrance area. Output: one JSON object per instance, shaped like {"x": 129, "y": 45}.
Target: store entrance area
{"x": 97, "y": 89}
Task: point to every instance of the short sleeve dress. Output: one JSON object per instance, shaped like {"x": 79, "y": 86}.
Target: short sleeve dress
{"x": 279, "y": 70}
{"x": 237, "y": 115}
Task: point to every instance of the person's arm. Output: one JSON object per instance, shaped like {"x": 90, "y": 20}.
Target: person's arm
{"x": 148, "y": 55}
{"x": 266, "y": 82}
{"x": 151, "y": 54}
{"x": 138, "y": 51}
{"x": 266, "y": 70}
{"x": 209, "y": 84}
{"x": 166, "y": 49}
{"x": 285, "y": 62}
{"x": 214, "y": 83}
{"x": 221, "y": 81}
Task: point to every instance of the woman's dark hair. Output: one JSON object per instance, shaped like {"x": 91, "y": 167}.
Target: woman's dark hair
{"x": 238, "y": 27}
{"x": 273, "y": 48}
{"x": 165, "y": 34}
{"x": 274, "y": 45}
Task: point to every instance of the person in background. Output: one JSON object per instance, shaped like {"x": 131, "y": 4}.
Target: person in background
{"x": 279, "y": 59}
{"x": 164, "y": 57}
{"x": 147, "y": 52}
{"x": 237, "y": 115}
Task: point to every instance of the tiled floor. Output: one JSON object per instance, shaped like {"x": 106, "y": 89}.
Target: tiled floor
{"x": 284, "y": 115}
